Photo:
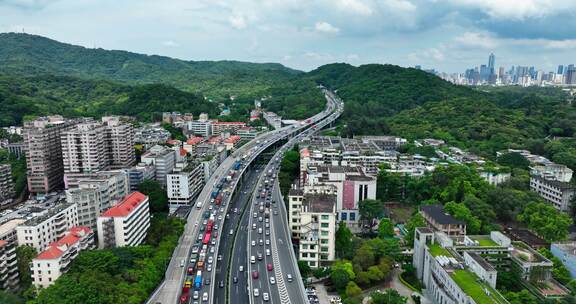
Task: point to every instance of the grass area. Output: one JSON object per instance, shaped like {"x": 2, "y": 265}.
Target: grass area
{"x": 437, "y": 250}
{"x": 470, "y": 284}
{"x": 487, "y": 242}
{"x": 401, "y": 214}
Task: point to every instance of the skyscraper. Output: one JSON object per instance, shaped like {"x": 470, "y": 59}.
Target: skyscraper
{"x": 491, "y": 63}
{"x": 560, "y": 70}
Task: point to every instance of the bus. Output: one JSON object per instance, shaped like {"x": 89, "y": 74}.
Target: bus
{"x": 198, "y": 280}
{"x": 207, "y": 237}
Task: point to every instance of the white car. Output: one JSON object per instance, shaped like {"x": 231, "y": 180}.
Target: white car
{"x": 231, "y": 231}
{"x": 267, "y": 242}
{"x": 196, "y": 295}
{"x": 272, "y": 280}
{"x": 253, "y": 243}
{"x": 212, "y": 249}
{"x": 205, "y": 297}
{"x": 256, "y": 292}
{"x": 252, "y": 260}
{"x": 241, "y": 268}
{"x": 265, "y": 297}
{"x": 267, "y": 252}
{"x": 210, "y": 260}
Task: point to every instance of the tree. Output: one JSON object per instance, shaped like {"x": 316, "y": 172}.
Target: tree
{"x": 24, "y": 255}
{"x": 158, "y": 196}
{"x": 6, "y": 297}
{"x": 521, "y": 297}
{"x": 370, "y": 210}
{"x": 305, "y": 269}
{"x": 514, "y": 160}
{"x": 385, "y": 228}
{"x": 546, "y": 221}
{"x": 389, "y": 296}
{"x": 352, "y": 290}
{"x": 414, "y": 222}
{"x": 461, "y": 212}
{"x": 339, "y": 278}
{"x": 343, "y": 242}
{"x": 364, "y": 257}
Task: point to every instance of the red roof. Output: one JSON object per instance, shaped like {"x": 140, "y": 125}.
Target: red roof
{"x": 173, "y": 142}
{"x": 129, "y": 203}
{"x": 232, "y": 139}
{"x": 194, "y": 140}
{"x": 57, "y": 248}
{"x": 304, "y": 153}
{"x": 228, "y": 123}
{"x": 3, "y": 242}
{"x": 183, "y": 152}
{"x": 214, "y": 139}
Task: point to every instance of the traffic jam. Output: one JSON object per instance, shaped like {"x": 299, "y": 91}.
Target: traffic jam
{"x": 202, "y": 256}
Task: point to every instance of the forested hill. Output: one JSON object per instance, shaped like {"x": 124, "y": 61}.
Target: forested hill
{"x": 69, "y": 96}
{"x": 31, "y": 55}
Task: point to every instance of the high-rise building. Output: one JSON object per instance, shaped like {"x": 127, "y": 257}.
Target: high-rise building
{"x": 6, "y": 184}
{"x": 93, "y": 146}
{"x": 45, "y": 170}
{"x": 184, "y": 184}
{"x": 119, "y": 142}
{"x": 560, "y": 69}
{"x": 570, "y": 75}
{"x": 42, "y": 229}
{"x": 163, "y": 159}
{"x": 83, "y": 148}
{"x": 491, "y": 63}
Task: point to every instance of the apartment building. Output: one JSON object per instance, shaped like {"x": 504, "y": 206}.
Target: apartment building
{"x": 125, "y": 224}
{"x": 163, "y": 159}
{"x": 219, "y": 127}
{"x": 557, "y": 193}
{"x": 191, "y": 143}
{"x": 200, "y": 128}
{"x": 120, "y": 141}
{"x": 56, "y": 259}
{"x": 7, "y": 261}
{"x": 232, "y": 142}
{"x": 84, "y": 149}
{"x": 47, "y": 226}
{"x": 184, "y": 185}
{"x": 439, "y": 220}
{"x": 17, "y": 149}
{"x": 6, "y": 185}
{"x": 44, "y": 163}
{"x": 312, "y": 220}
{"x": 350, "y": 185}
{"x": 150, "y": 135}
{"x": 139, "y": 173}
{"x": 9, "y": 278}
{"x": 95, "y": 193}
{"x": 552, "y": 171}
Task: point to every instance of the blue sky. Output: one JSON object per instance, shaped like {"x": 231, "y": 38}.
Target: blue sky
{"x": 449, "y": 35}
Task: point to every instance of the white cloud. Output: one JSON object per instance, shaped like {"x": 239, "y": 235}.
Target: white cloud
{"x": 170, "y": 43}
{"x": 354, "y": 6}
{"x": 325, "y": 27}
{"x": 238, "y": 21}
{"x": 518, "y": 9}
{"x": 560, "y": 44}
{"x": 476, "y": 40}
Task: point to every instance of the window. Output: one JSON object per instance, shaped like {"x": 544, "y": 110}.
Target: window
{"x": 304, "y": 254}
{"x": 352, "y": 216}
{"x": 324, "y": 225}
{"x": 324, "y": 233}
{"x": 324, "y": 249}
{"x": 344, "y": 216}
{"x": 325, "y": 217}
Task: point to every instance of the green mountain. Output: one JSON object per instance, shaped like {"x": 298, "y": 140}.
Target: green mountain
{"x": 31, "y": 55}
{"x": 47, "y": 94}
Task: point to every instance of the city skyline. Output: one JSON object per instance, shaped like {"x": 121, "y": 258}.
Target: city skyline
{"x": 445, "y": 35}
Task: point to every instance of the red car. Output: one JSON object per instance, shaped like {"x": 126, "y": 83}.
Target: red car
{"x": 255, "y": 274}
{"x": 184, "y": 299}
{"x": 190, "y": 270}
{"x": 269, "y": 267}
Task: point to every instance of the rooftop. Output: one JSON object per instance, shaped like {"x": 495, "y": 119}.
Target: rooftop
{"x": 437, "y": 250}
{"x": 481, "y": 261}
{"x": 437, "y": 213}
{"x": 45, "y": 216}
{"x": 319, "y": 203}
{"x": 125, "y": 207}
{"x": 475, "y": 288}
{"x": 57, "y": 248}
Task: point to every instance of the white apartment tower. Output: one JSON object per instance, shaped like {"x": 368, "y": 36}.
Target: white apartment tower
{"x": 125, "y": 224}
{"x": 84, "y": 149}
{"x": 120, "y": 142}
